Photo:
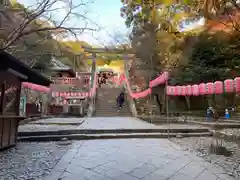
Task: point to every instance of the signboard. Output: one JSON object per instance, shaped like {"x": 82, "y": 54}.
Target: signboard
{"x": 22, "y": 106}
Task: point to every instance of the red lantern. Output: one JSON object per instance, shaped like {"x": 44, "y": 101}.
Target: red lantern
{"x": 188, "y": 90}
{"x": 229, "y": 85}
{"x": 202, "y": 88}
{"x": 210, "y": 88}
{"x": 218, "y": 86}
{"x": 183, "y": 90}
{"x": 237, "y": 84}
{"x": 195, "y": 90}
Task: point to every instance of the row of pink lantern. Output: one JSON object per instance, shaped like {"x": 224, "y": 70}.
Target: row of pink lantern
{"x": 217, "y": 87}
{"x": 71, "y": 94}
{"x": 78, "y": 94}
{"x": 161, "y": 79}
{"x": 36, "y": 87}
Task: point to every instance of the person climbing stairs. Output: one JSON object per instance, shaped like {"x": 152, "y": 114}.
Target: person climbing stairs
{"x": 106, "y": 104}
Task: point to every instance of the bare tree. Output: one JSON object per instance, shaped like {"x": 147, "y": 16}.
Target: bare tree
{"x": 24, "y": 29}
{"x": 47, "y": 18}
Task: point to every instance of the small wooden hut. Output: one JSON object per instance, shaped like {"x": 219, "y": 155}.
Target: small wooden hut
{"x": 13, "y": 72}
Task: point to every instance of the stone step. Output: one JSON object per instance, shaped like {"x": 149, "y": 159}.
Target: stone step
{"x": 113, "y": 114}
{"x": 110, "y": 136}
{"x": 116, "y": 131}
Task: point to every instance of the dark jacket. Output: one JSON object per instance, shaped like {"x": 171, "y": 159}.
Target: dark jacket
{"x": 120, "y": 98}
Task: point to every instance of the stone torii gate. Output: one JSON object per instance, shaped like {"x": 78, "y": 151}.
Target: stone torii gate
{"x": 127, "y": 55}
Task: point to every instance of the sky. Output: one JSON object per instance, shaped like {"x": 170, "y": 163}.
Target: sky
{"x": 103, "y": 13}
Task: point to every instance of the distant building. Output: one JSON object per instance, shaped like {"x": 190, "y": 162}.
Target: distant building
{"x": 56, "y": 69}
{"x": 61, "y": 69}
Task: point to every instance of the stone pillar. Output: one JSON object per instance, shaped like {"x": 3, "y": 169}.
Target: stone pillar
{"x": 65, "y": 107}
{"x": 93, "y": 67}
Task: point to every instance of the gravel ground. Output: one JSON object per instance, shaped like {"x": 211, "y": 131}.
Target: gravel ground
{"x": 30, "y": 161}
{"x": 37, "y": 127}
{"x": 201, "y": 145}
{"x": 231, "y": 132}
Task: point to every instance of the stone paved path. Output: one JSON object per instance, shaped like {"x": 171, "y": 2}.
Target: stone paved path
{"x": 126, "y": 123}
{"x": 100, "y": 123}
{"x": 133, "y": 159}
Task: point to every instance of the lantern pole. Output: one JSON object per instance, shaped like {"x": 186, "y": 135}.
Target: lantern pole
{"x": 167, "y": 108}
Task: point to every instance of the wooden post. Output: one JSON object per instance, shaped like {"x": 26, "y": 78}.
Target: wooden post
{"x": 18, "y": 95}
{"x": 2, "y": 97}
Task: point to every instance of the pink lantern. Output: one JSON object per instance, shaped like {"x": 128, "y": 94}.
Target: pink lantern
{"x": 237, "y": 84}
{"x": 169, "y": 90}
{"x": 165, "y": 76}
{"x": 87, "y": 94}
{"x": 210, "y": 88}
{"x": 195, "y": 90}
{"x": 174, "y": 89}
{"x": 178, "y": 90}
{"x": 229, "y": 85}
{"x": 61, "y": 94}
{"x": 188, "y": 90}
{"x": 71, "y": 94}
{"x": 54, "y": 94}
{"x": 202, "y": 88}
{"x": 218, "y": 85}
{"x": 183, "y": 90}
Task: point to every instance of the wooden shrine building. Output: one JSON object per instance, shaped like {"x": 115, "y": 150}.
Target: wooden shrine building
{"x": 13, "y": 72}
{"x": 61, "y": 70}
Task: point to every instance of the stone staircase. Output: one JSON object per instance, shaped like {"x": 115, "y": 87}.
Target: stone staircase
{"x": 106, "y": 103}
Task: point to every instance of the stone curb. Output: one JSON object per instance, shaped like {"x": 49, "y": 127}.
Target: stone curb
{"x": 111, "y": 131}
{"x": 110, "y": 136}
{"x": 216, "y": 125}
{"x": 55, "y": 123}
{"x": 28, "y": 120}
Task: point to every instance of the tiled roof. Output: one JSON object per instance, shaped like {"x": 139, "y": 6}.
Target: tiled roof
{"x": 58, "y": 65}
